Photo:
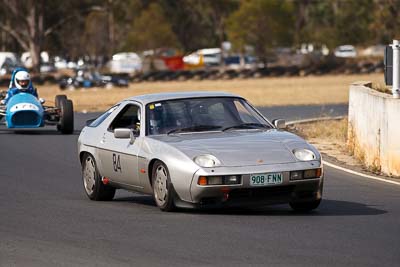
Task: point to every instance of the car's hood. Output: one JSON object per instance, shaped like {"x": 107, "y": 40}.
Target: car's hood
{"x": 239, "y": 148}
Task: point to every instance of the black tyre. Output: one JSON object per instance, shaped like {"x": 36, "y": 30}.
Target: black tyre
{"x": 92, "y": 183}
{"x": 163, "y": 191}
{"x": 58, "y": 100}
{"x": 305, "y": 206}
{"x": 66, "y": 124}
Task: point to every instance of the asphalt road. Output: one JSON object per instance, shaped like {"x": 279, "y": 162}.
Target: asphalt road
{"x": 47, "y": 220}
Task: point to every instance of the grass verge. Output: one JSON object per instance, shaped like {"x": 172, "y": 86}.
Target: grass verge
{"x": 329, "y": 137}
{"x": 271, "y": 91}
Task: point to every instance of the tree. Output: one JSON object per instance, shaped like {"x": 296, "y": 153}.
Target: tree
{"x": 263, "y": 24}
{"x": 29, "y": 29}
{"x": 301, "y": 18}
{"x": 151, "y": 30}
{"x": 338, "y": 22}
{"x": 31, "y": 21}
{"x": 95, "y": 39}
{"x": 199, "y": 24}
{"x": 386, "y": 21}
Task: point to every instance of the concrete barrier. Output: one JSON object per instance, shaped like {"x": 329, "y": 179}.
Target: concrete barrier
{"x": 374, "y": 128}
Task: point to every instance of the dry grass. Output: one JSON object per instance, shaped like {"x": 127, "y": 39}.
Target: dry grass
{"x": 333, "y": 130}
{"x": 329, "y": 137}
{"x": 331, "y": 89}
{"x": 382, "y": 88}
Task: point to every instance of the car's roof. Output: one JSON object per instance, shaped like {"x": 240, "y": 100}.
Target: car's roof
{"x": 148, "y": 98}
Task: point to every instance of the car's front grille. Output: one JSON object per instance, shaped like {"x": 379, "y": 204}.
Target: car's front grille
{"x": 25, "y": 118}
{"x": 262, "y": 192}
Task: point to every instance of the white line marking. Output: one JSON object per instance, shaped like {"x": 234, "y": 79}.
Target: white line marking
{"x": 360, "y": 174}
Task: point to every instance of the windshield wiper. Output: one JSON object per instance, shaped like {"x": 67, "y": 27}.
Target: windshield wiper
{"x": 249, "y": 125}
{"x": 196, "y": 128}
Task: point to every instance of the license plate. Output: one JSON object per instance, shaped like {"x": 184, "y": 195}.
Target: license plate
{"x": 265, "y": 179}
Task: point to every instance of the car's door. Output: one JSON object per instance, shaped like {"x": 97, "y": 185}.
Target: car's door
{"x": 119, "y": 157}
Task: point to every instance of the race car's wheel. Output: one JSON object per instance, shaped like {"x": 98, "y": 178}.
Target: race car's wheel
{"x": 163, "y": 191}
{"x": 66, "y": 117}
{"x": 57, "y": 102}
{"x": 305, "y": 206}
{"x": 94, "y": 187}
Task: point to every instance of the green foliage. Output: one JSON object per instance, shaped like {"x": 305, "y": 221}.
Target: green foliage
{"x": 261, "y": 23}
{"x": 339, "y": 22}
{"x": 81, "y": 27}
{"x": 93, "y": 40}
{"x": 199, "y": 24}
{"x": 386, "y": 21}
{"x": 151, "y": 30}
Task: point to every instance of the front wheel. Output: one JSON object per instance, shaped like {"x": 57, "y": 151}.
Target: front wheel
{"x": 94, "y": 187}
{"x": 305, "y": 206}
{"x": 66, "y": 124}
{"x": 163, "y": 191}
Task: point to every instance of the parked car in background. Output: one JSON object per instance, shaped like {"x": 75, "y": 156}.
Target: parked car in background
{"x": 162, "y": 59}
{"x": 345, "y": 51}
{"x": 240, "y": 62}
{"x": 125, "y": 63}
{"x": 374, "y": 51}
{"x": 207, "y": 57}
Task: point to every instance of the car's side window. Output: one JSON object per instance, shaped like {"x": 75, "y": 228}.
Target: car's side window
{"x": 129, "y": 117}
{"x": 102, "y": 117}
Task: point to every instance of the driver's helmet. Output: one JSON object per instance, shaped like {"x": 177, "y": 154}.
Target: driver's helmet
{"x": 22, "y": 80}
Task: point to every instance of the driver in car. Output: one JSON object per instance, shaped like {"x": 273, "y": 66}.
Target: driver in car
{"x": 20, "y": 83}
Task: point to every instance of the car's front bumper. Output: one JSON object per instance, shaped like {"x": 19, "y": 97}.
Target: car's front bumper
{"x": 244, "y": 194}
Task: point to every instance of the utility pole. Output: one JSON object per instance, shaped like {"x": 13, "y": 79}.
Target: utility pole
{"x": 396, "y": 68}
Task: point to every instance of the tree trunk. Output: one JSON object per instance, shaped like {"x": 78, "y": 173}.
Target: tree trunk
{"x": 110, "y": 28}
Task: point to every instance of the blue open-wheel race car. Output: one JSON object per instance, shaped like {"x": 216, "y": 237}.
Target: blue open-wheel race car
{"x": 24, "y": 110}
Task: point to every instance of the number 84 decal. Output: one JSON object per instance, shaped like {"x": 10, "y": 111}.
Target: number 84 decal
{"x": 116, "y": 163}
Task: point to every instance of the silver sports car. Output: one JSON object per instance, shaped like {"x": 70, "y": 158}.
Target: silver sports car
{"x": 198, "y": 150}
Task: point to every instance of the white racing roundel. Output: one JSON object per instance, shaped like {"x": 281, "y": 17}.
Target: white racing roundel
{"x": 24, "y": 106}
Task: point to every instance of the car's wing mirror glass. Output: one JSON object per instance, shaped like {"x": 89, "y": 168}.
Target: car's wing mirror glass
{"x": 279, "y": 123}
{"x": 122, "y": 133}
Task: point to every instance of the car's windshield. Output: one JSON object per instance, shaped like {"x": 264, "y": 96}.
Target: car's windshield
{"x": 202, "y": 114}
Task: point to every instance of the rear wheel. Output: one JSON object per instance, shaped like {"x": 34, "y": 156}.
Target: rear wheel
{"x": 163, "y": 190}
{"x": 305, "y": 206}
{"x": 66, "y": 124}
{"x": 92, "y": 183}
{"x": 57, "y": 102}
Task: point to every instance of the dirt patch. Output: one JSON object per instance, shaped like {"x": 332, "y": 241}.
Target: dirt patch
{"x": 310, "y": 90}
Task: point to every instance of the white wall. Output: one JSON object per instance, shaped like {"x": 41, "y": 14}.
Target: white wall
{"x": 374, "y": 128}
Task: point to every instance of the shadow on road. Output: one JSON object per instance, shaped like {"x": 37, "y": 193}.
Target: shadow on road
{"x": 35, "y": 132}
{"x": 327, "y": 208}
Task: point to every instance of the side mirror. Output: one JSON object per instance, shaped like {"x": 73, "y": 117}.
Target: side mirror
{"x": 122, "y": 133}
{"x": 125, "y": 133}
{"x": 279, "y": 123}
